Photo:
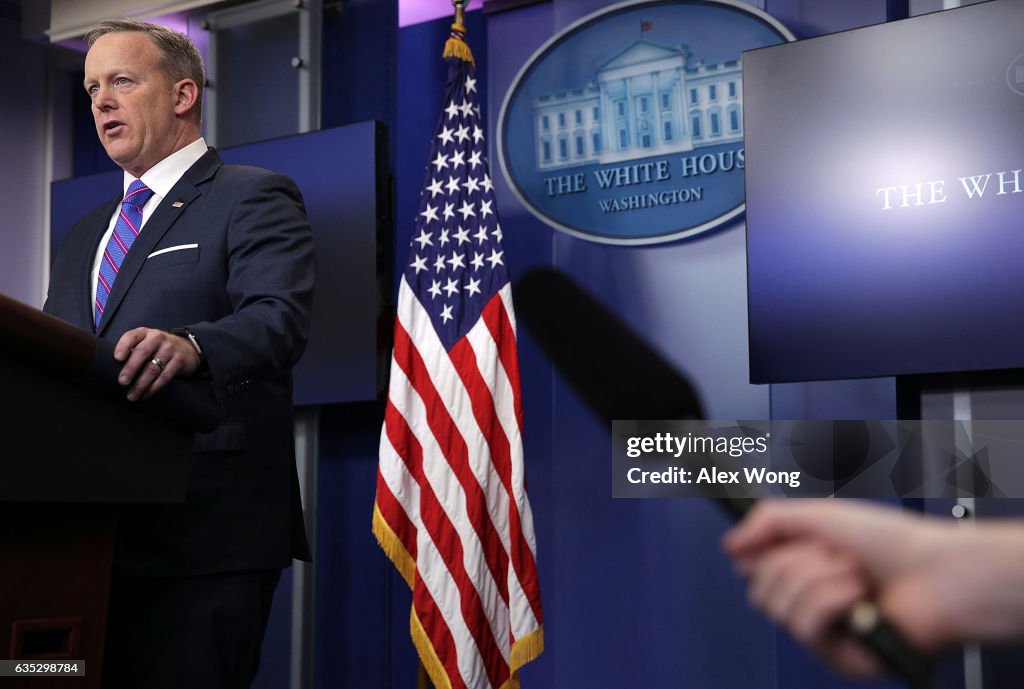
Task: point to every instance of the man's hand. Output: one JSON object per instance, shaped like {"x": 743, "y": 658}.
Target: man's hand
{"x": 809, "y": 561}
{"x": 152, "y": 359}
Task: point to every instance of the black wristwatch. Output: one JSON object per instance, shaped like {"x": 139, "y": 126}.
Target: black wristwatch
{"x": 190, "y": 336}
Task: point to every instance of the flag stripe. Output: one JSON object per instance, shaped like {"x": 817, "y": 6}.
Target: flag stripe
{"x": 479, "y": 660}
{"x": 466, "y": 365}
{"x": 395, "y": 475}
{"x": 481, "y": 398}
{"x": 439, "y": 368}
{"x": 503, "y": 341}
{"x": 491, "y": 589}
{"x": 484, "y": 408}
{"x": 453, "y": 450}
{"x": 439, "y": 636}
{"x": 402, "y": 529}
{"x": 492, "y": 393}
{"x": 500, "y": 320}
{"x": 496, "y": 439}
{"x": 451, "y": 585}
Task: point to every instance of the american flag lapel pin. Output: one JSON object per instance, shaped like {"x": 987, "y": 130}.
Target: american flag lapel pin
{"x": 177, "y": 204}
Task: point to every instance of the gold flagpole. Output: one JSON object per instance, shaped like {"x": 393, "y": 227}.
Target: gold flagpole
{"x": 422, "y": 678}
{"x": 456, "y": 45}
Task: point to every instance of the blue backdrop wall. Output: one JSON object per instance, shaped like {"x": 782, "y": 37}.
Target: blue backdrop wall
{"x": 636, "y": 593}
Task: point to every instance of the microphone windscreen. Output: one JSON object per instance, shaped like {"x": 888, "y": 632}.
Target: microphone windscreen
{"x": 615, "y": 371}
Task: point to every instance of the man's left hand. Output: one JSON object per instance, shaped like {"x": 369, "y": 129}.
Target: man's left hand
{"x": 152, "y": 359}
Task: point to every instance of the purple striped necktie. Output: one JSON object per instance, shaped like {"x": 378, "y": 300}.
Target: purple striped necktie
{"x": 126, "y": 229}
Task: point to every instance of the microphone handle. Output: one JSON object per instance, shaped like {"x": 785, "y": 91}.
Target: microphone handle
{"x": 867, "y": 625}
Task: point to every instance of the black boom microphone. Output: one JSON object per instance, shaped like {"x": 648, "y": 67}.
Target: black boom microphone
{"x": 616, "y": 373}
{"x": 620, "y": 376}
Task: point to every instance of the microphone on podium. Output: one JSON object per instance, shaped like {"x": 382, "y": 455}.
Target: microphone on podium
{"x": 620, "y": 376}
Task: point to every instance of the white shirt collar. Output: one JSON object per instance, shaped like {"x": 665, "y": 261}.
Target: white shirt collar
{"x": 165, "y": 174}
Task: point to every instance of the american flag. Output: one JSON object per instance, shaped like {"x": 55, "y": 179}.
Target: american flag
{"x": 451, "y": 509}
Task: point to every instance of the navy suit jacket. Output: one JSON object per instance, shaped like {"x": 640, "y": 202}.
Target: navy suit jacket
{"x": 246, "y": 293}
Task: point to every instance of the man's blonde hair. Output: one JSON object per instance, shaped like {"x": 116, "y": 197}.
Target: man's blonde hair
{"x": 178, "y": 54}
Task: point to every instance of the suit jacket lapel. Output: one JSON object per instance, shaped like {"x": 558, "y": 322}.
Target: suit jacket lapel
{"x": 165, "y": 215}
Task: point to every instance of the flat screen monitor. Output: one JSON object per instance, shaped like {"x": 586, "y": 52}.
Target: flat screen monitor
{"x": 885, "y": 198}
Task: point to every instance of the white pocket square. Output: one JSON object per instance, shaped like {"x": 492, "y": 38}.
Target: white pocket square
{"x": 173, "y": 248}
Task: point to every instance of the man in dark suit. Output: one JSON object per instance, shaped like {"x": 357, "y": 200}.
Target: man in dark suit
{"x": 201, "y": 269}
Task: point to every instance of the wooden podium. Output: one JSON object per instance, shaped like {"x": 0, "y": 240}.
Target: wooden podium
{"x": 73, "y": 449}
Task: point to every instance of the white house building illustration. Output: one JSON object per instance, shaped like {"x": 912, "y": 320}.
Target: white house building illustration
{"x": 646, "y": 101}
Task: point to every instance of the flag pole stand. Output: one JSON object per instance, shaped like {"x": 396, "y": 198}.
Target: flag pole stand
{"x": 422, "y": 678}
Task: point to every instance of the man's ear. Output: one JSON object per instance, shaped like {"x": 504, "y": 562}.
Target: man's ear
{"x": 186, "y": 93}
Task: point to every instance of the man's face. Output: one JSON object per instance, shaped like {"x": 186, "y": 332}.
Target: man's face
{"x": 132, "y": 101}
